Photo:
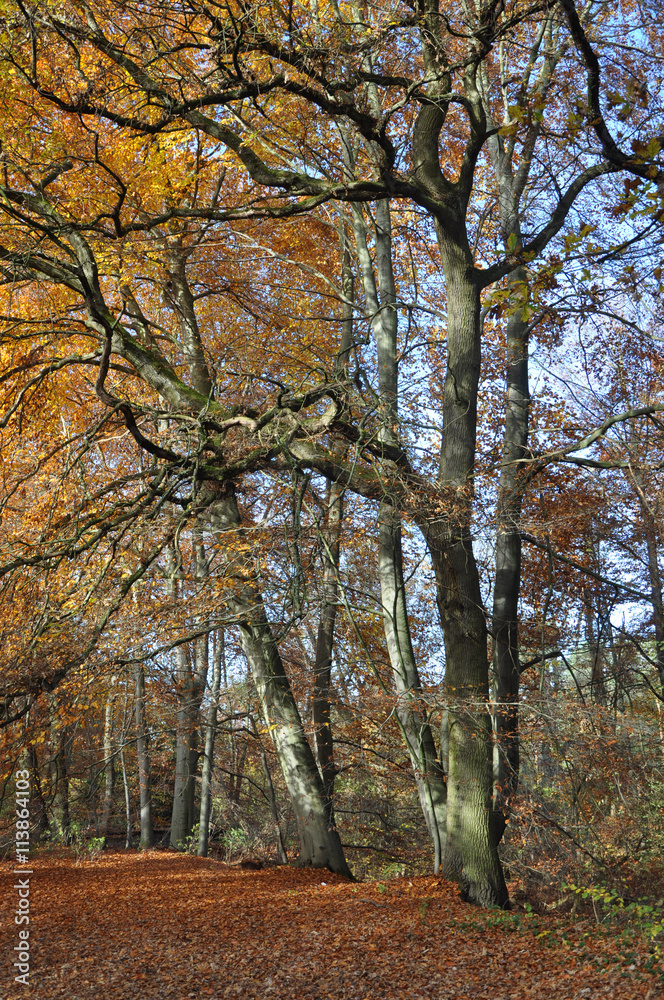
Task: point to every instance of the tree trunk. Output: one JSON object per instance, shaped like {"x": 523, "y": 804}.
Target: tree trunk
{"x": 331, "y": 537}
{"x": 238, "y": 758}
{"x": 653, "y": 540}
{"x": 656, "y": 599}
{"x": 471, "y": 856}
{"x": 186, "y": 754}
{"x": 411, "y": 710}
{"x": 125, "y": 782}
{"x": 38, "y": 810}
{"x": 142, "y": 752}
{"x": 109, "y": 762}
{"x": 59, "y": 774}
{"x": 191, "y": 687}
{"x": 325, "y": 638}
{"x": 320, "y": 844}
{"x": 507, "y": 586}
{"x": 208, "y": 757}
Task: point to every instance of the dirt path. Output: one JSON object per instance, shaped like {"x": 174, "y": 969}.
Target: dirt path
{"x": 160, "y": 925}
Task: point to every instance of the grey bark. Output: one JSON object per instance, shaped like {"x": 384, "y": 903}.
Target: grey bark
{"x": 181, "y": 817}
{"x": 191, "y": 686}
{"x": 143, "y": 754}
{"x": 471, "y": 857}
{"x": 507, "y": 586}
{"x": 109, "y": 761}
{"x": 180, "y": 296}
{"x": 191, "y": 681}
{"x": 320, "y": 844}
{"x": 59, "y": 774}
{"x": 653, "y": 538}
{"x": 411, "y": 708}
{"x": 325, "y": 638}
{"x": 125, "y": 783}
{"x": 208, "y": 757}
{"x": 656, "y": 592}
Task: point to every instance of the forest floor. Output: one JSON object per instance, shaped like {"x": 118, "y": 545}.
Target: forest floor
{"x": 166, "y": 926}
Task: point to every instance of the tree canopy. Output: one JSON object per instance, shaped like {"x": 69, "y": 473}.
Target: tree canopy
{"x": 272, "y": 281}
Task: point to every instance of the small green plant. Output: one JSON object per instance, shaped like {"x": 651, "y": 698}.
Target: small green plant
{"x": 235, "y": 840}
{"x": 393, "y": 869}
{"x": 89, "y": 848}
{"x": 95, "y": 846}
{"x": 504, "y": 919}
{"x": 190, "y": 843}
{"x": 641, "y": 916}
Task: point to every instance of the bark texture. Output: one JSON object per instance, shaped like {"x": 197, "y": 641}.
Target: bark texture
{"x": 471, "y": 856}
{"x": 325, "y": 637}
{"x": 507, "y": 586}
{"x": 320, "y": 844}
{"x": 143, "y": 754}
{"x": 109, "y": 762}
{"x": 208, "y": 756}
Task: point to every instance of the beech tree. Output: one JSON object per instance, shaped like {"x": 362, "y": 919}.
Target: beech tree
{"x": 153, "y": 136}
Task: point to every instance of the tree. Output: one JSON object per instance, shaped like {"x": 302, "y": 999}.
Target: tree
{"x": 250, "y": 113}
{"x": 208, "y": 753}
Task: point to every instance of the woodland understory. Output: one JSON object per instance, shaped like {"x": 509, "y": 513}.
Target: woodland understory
{"x": 331, "y": 459}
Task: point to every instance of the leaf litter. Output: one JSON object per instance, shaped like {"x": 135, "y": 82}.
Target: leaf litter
{"x": 138, "y": 926}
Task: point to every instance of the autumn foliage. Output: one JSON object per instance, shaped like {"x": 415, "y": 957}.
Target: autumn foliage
{"x": 331, "y": 449}
{"x": 165, "y": 926}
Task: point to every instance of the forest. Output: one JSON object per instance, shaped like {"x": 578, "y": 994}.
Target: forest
{"x": 332, "y": 442}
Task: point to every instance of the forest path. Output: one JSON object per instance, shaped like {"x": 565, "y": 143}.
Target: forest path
{"x": 129, "y": 926}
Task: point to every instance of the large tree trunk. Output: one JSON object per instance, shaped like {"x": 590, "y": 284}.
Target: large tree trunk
{"x": 471, "y": 856}
{"x": 320, "y": 844}
{"x": 191, "y": 681}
